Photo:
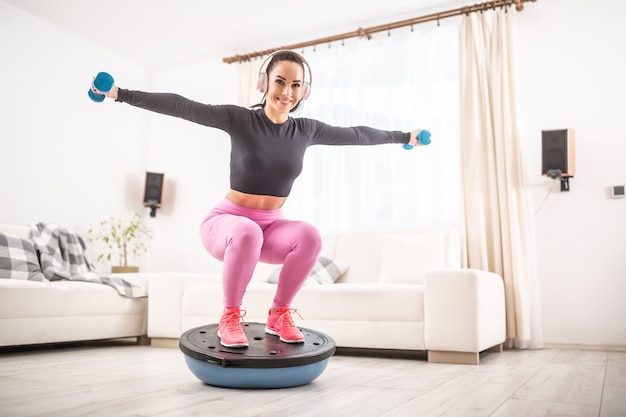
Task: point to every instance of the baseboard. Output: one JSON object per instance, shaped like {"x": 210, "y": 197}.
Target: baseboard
{"x": 582, "y": 346}
{"x": 160, "y": 342}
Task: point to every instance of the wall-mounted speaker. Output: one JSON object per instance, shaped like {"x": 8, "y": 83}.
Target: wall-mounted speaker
{"x": 153, "y": 191}
{"x": 557, "y": 152}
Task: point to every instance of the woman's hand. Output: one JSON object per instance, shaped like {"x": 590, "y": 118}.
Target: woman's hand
{"x": 112, "y": 93}
{"x": 413, "y": 140}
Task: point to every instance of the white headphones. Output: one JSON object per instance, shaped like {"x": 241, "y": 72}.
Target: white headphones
{"x": 262, "y": 79}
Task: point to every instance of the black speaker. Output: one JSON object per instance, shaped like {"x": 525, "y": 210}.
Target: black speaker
{"x": 557, "y": 152}
{"x": 153, "y": 191}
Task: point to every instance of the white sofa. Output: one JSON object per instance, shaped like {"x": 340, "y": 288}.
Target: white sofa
{"x": 33, "y": 312}
{"x": 402, "y": 291}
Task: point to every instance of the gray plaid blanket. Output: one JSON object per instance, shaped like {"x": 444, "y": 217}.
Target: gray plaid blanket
{"x": 62, "y": 257}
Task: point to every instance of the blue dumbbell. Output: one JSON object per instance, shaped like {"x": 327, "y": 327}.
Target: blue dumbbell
{"x": 423, "y": 137}
{"x": 101, "y": 84}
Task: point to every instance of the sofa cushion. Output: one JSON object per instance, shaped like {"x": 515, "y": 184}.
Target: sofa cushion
{"x": 16, "y": 230}
{"x": 407, "y": 258}
{"x": 18, "y": 259}
{"x": 65, "y": 311}
{"x": 339, "y": 302}
{"x": 325, "y": 271}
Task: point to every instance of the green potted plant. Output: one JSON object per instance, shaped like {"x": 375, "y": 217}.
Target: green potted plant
{"x": 123, "y": 237}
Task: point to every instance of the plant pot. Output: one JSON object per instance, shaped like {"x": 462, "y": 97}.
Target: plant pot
{"x": 118, "y": 269}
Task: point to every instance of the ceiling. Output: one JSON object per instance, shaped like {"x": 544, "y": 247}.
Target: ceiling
{"x": 159, "y": 34}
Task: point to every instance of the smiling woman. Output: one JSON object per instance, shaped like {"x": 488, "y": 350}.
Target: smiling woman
{"x": 283, "y": 82}
{"x": 267, "y": 152}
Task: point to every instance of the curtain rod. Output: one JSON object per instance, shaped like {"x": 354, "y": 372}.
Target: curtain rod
{"x": 367, "y": 32}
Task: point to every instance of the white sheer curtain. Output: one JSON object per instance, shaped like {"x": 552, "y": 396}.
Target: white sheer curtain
{"x": 407, "y": 80}
{"x": 497, "y": 219}
{"x": 404, "y": 81}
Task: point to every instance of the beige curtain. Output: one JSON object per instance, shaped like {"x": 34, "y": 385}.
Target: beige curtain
{"x": 496, "y": 217}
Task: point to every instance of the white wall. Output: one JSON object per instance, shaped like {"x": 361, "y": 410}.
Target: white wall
{"x": 570, "y": 68}
{"x": 67, "y": 160}
{"x": 195, "y": 162}
{"x": 64, "y": 159}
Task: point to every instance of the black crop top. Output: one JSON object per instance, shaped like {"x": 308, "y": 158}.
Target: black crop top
{"x": 265, "y": 157}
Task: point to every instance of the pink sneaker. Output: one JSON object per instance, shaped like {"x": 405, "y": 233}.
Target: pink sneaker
{"x": 280, "y": 323}
{"x": 229, "y": 330}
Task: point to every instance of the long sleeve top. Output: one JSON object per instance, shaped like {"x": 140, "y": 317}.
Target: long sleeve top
{"x": 265, "y": 157}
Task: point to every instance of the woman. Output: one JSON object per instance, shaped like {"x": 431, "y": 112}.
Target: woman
{"x": 267, "y": 151}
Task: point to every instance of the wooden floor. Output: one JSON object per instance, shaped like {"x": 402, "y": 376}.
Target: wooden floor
{"x": 114, "y": 379}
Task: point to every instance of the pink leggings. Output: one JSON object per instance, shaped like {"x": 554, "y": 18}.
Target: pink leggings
{"x": 240, "y": 237}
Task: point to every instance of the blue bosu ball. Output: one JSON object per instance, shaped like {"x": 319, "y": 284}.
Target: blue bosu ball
{"x": 266, "y": 363}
